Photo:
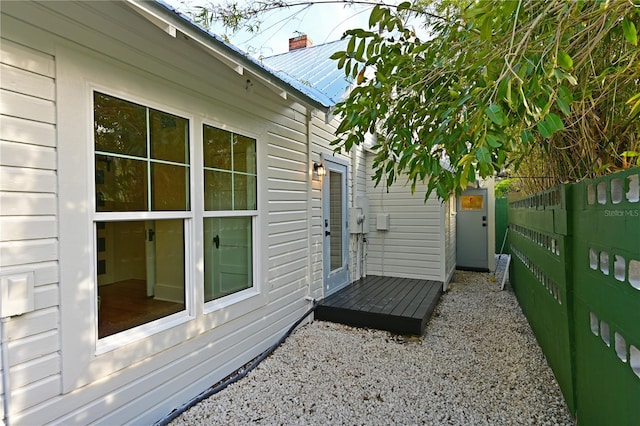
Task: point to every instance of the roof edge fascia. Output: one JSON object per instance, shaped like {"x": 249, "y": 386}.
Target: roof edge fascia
{"x": 171, "y": 21}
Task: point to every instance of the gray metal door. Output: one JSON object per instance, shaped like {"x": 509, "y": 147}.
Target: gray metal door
{"x": 472, "y": 230}
{"x": 335, "y": 226}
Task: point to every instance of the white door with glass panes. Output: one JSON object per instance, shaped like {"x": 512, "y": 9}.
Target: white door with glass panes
{"x": 472, "y": 231}
{"x": 335, "y": 226}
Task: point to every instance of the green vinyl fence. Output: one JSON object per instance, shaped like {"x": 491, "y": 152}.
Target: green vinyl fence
{"x": 576, "y": 273}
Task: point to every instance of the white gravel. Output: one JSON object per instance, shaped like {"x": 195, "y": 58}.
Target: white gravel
{"x": 477, "y": 364}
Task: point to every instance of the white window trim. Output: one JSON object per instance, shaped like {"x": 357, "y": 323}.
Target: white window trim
{"x": 86, "y": 359}
{"x": 253, "y": 296}
{"x": 148, "y": 329}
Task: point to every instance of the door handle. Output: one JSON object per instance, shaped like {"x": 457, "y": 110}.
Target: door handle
{"x": 216, "y": 241}
{"x": 327, "y": 233}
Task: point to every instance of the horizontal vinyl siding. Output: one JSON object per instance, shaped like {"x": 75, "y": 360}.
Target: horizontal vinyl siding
{"x": 411, "y": 246}
{"x": 287, "y": 194}
{"x": 143, "y": 392}
{"x": 28, "y": 222}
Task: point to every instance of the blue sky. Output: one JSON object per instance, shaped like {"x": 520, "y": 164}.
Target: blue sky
{"x": 321, "y": 22}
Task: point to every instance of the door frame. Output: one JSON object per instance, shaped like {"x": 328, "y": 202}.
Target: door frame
{"x": 337, "y": 279}
{"x": 462, "y": 216}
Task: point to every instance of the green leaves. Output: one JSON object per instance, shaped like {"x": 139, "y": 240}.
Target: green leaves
{"x": 495, "y": 114}
{"x": 497, "y": 83}
{"x": 629, "y": 31}
{"x": 564, "y": 99}
{"x": 634, "y": 101}
{"x": 565, "y": 61}
{"x": 551, "y": 124}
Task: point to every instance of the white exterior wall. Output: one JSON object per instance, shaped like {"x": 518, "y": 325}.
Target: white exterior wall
{"x": 449, "y": 240}
{"x": 28, "y": 228}
{"x": 57, "y": 375}
{"x": 412, "y": 247}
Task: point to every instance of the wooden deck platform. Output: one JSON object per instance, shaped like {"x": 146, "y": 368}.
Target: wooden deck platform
{"x": 398, "y": 305}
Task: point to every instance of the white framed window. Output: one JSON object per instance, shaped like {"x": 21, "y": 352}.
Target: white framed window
{"x": 230, "y": 211}
{"x": 104, "y": 225}
{"x": 142, "y": 205}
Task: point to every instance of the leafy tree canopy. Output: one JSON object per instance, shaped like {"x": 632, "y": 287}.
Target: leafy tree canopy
{"x": 497, "y": 84}
{"x": 498, "y": 81}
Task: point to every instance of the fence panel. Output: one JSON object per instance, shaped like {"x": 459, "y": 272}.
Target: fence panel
{"x": 606, "y": 236}
{"x": 540, "y": 276}
{"x": 501, "y": 225}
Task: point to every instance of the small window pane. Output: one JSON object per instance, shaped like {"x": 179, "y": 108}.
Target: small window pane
{"x": 244, "y": 154}
{"x": 120, "y": 126}
{"x": 335, "y": 219}
{"x": 218, "y": 192}
{"x": 471, "y": 202}
{"x": 142, "y": 274}
{"x": 170, "y": 187}
{"x": 121, "y": 184}
{"x": 244, "y": 192}
{"x": 217, "y": 148}
{"x": 228, "y": 250}
{"x": 169, "y": 137}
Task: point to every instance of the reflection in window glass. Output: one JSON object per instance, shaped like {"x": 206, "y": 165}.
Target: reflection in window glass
{"x": 244, "y": 154}
{"x": 217, "y": 148}
{"x": 168, "y": 137}
{"x": 170, "y": 187}
{"x": 120, "y": 126}
{"x": 218, "y": 190}
{"x": 140, "y": 272}
{"x": 126, "y": 173}
{"x": 121, "y": 184}
{"x": 228, "y": 251}
{"x": 230, "y": 170}
{"x": 244, "y": 192}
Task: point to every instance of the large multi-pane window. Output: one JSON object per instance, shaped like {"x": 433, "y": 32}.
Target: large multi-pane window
{"x": 142, "y": 201}
{"x": 230, "y": 203}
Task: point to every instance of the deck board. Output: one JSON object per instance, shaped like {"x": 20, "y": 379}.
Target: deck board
{"x": 398, "y": 305}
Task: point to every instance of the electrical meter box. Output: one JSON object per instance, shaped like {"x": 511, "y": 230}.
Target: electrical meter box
{"x": 359, "y": 216}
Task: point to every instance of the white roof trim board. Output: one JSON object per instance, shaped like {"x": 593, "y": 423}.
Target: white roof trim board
{"x": 172, "y": 21}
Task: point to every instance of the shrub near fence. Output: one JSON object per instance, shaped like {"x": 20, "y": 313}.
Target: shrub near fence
{"x": 576, "y": 274}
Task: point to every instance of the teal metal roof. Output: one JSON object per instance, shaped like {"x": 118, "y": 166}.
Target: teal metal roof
{"x": 313, "y": 67}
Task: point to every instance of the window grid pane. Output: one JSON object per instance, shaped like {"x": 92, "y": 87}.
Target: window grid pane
{"x": 140, "y": 274}
{"x": 230, "y": 170}
{"x": 228, "y": 251}
{"x": 127, "y": 131}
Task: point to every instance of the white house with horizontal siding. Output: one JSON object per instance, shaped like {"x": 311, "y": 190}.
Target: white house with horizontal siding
{"x": 161, "y": 219}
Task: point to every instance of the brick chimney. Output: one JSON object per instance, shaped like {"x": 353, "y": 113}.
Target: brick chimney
{"x": 299, "y": 42}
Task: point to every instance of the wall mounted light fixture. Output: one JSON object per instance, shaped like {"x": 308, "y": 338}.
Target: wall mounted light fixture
{"x": 319, "y": 169}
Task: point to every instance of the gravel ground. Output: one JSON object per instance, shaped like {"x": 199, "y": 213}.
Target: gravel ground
{"x": 477, "y": 364}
